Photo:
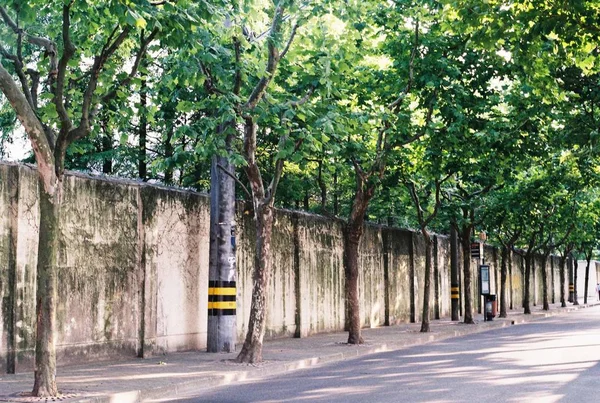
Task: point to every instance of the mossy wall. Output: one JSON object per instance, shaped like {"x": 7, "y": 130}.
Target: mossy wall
{"x": 6, "y": 303}
{"x": 175, "y": 242}
{"x": 442, "y": 276}
{"x": 133, "y": 271}
{"x": 320, "y": 275}
{"x": 398, "y": 248}
{"x": 371, "y": 278}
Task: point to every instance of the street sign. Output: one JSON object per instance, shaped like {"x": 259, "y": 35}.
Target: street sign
{"x": 484, "y": 279}
{"x": 475, "y": 253}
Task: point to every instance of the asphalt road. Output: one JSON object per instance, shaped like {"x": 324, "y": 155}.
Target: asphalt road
{"x": 552, "y": 360}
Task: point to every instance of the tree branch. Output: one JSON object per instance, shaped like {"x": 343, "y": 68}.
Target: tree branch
{"x": 395, "y": 104}
{"x": 17, "y": 62}
{"x": 289, "y": 42}
{"x": 47, "y": 44}
{"x": 279, "y": 164}
{"x": 144, "y": 43}
{"x": 34, "y": 129}
{"x": 428, "y": 118}
{"x": 272, "y": 61}
{"x": 66, "y": 138}
{"x": 35, "y": 81}
{"x": 237, "y": 81}
{"x": 251, "y": 168}
{"x": 438, "y": 185}
{"x": 304, "y": 99}
{"x": 209, "y": 84}
{"x": 413, "y": 194}
{"x": 99, "y": 61}
{"x": 59, "y": 85}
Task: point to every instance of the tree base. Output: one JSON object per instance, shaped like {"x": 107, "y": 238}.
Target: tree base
{"x": 251, "y": 355}
{"x": 356, "y": 340}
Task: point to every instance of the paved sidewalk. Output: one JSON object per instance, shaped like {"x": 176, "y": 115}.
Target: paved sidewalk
{"x": 166, "y": 376}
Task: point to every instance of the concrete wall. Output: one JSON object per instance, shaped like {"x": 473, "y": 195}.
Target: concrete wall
{"x": 593, "y": 280}
{"x": 133, "y": 271}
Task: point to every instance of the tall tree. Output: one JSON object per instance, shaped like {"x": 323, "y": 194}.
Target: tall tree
{"x": 77, "y": 49}
{"x": 424, "y": 186}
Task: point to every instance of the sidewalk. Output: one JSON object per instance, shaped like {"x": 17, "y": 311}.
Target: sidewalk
{"x": 166, "y": 376}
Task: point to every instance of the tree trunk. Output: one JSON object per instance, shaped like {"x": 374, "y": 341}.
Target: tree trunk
{"x": 588, "y": 259}
{"x": 169, "y": 146}
{"x": 252, "y": 348}
{"x": 563, "y": 302}
{"x": 466, "y": 246}
{"x": 510, "y": 280}
{"x": 574, "y": 271}
{"x": 427, "y": 281}
{"x": 352, "y": 235}
{"x": 107, "y": 146}
{"x": 546, "y": 302}
{"x": 353, "y": 231}
{"x": 323, "y": 188}
{"x": 336, "y": 202}
{"x": 436, "y": 279}
{"x": 143, "y": 129}
{"x": 263, "y": 218}
{"x": 526, "y": 302}
{"x": 45, "y": 349}
{"x": 503, "y": 276}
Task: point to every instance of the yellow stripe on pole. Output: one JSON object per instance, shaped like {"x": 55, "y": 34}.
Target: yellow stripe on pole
{"x": 454, "y": 289}
{"x": 222, "y": 291}
{"x": 222, "y": 305}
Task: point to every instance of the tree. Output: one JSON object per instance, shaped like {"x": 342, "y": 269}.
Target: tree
{"x": 424, "y": 185}
{"x": 78, "y": 50}
{"x": 263, "y": 197}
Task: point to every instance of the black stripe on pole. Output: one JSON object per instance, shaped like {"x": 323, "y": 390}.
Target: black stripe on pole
{"x": 221, "y": 312}
{"x": 221, "y": 298}
{"x": 454, "y": 291}
{"x": 221, "y": 293}
{"x": 221, "y": 284}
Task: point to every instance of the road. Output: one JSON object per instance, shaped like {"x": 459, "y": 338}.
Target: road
{"x": 551, "y": 360}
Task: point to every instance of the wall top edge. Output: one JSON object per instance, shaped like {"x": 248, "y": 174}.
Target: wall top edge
{"x": 110, "y": 179}
{"x": 142, "y": 184}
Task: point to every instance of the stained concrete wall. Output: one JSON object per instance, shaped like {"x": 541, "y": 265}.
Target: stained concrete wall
{"x": 133, "y": 271}
{"x": 174, "y": 242}
{"x": 593, "y": 280}
{"x": 320, "y": 275}
{"x": 398, "y": 247}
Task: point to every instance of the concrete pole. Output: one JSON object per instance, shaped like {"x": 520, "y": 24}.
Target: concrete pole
{"x": 222, "y": 326}
{"x": 454, "y": 279}
{"x": 570, "y": 274}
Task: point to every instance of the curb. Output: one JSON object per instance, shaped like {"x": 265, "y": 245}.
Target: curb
{"x": 179, "y": 388}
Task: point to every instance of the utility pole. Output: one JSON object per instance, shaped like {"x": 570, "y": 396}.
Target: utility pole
{"x": 454, "y": 280}
{"x": 222, "y": 292}
{"x": 570, "y": 266}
